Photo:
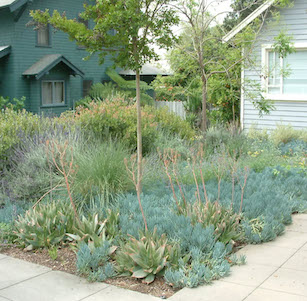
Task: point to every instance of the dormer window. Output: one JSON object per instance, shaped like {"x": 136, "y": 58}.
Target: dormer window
{"x": 43, "y": 36}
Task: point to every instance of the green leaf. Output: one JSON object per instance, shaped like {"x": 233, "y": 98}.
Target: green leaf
{"x": 149, "y": 279}
{"x": 140, "y": 273}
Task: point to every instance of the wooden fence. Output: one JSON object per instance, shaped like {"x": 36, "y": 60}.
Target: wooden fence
{"x": 173, "y": 106}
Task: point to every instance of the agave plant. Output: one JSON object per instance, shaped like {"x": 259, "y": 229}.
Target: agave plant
{"x": 145, "y": 258}
{"x": 225, "y": 221}
{"x": 44, "y": 226}
{"x": 89, "y": 230}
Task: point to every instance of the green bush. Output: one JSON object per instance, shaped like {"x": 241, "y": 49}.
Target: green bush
{"x": 229, "y": 140}
{"x": 257, "y": 134}
{"x": 29, "y": 175}
{"x": 32, "y": 172}
{"x": 286, "y": 133}
{"x": 6, "y": 234}
{"x": 171, "y": 123}
{"x": 14, "y": 104}
{"x": 118, "y": 119}
{"x": 13, "y": 127}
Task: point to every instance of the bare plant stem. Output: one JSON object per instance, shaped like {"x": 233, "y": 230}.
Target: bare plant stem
{"x": 50, "y": 169}
{"x": 195, "y": 179}
{"x": 62, "y": 151}
{"x": 232, "y": 189}
{"x": 166, "y": 163}
{"x": 246, "y": 172}
{"x": 201, "y": 153}
{"x": 174, "y": 158}
{"x": 45, "y": 194}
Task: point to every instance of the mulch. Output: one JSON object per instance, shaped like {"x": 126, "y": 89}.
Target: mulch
{"x": 66, "y": 262}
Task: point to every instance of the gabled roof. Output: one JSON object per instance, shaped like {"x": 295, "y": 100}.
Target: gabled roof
{"x": 46, "y": 63}
{"x": 12, "y": 4}
{"x": 4, "y": 50}
{"x": 256, "y": 13}
{"x": 146, "y": 70}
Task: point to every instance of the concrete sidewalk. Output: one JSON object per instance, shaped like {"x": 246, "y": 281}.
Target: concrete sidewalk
{"x": 274, "y": 271}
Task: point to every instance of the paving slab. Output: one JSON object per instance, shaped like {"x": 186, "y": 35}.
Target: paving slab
{"x": 266, "y": 255}
{"x": 113, "y": 293}
{"x": 300, "y": 216}
{"x": 288, "y": 281}
{"x": 2, "y": 256}
{"x": 52, "y": 286}
{"x": 299, "y": 224}
{"x": 250, "y": 274}
{"x": 304, "y": 247}
{"x": 13, "y": 271}
{"x": 269, "y": 295}
{"x": 217, "y": 291}
{"x": 4, "y": 299}
{"x": 298, "y": 261}
{"x": 290, "y": 239}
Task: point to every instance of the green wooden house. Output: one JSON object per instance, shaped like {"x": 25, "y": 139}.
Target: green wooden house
{"x": 43, "y": 65}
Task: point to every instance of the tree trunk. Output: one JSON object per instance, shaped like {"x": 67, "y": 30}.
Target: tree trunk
{"x": 139, "y": 131}
{"x": 139, "y": 146}
{"x": 204, "y": 105}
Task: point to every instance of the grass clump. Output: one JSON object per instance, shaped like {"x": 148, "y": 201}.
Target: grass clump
{"x": 101, "y": 170}
{"x": 286, "y": 133}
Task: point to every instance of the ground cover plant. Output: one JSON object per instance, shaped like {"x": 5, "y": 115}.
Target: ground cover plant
{"x": 72, "y": 187}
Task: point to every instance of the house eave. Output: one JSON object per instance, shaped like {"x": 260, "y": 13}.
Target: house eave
{"x": 5, "y": 51}
{"x": 14, "y": 5}
{"x": 256, "y": 13}
{"x": 38, "y": 74}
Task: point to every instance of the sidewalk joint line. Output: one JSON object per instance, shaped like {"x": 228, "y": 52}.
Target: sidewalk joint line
{"x": 6, "y": 298}
{"x": 1, "y": 289}
{"x": 278, "y": 291}
{"x": 95, "y": 293}
{"x": 275, "y": 271}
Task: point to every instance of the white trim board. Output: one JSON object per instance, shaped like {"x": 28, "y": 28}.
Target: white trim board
{"x": 257, "y": 12}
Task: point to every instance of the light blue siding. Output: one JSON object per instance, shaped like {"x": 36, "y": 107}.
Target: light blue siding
{"x": 294, "y": 21}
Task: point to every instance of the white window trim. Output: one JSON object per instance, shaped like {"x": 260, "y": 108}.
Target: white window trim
{"x": 264, "y": 79}
{"x": 64, "y": 93}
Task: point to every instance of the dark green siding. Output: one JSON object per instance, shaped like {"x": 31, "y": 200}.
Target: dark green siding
{"x": 7, "y": 84}
{"x": 25, "y": 53}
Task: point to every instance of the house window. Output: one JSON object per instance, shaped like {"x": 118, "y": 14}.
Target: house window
{"x": 87, "y": 84}
{"x": 53, "y": 92}
{"x": 286, "y": 77}
{"x": 43, "y": 35}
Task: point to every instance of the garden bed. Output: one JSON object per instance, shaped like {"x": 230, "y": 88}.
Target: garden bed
{"x": 201, "y": 198}
{"x": 66, "y": 262}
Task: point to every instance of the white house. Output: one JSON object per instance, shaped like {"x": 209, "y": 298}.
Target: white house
{"x": 289, "y": 93}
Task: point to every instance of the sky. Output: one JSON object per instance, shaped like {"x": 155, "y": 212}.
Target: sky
{"x": 221, "y": 7}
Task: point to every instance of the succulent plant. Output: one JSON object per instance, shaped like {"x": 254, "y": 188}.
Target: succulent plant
{"x": 89, "y": 230}
{"x": 45, "y": 226}
{"x": 145, "y": 258}
{"x": 225, "y": 221}
{"x": 94, "y": 262}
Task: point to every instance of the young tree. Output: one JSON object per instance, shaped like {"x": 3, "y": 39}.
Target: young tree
{"x": 137, "y": 26}
{"x": 204, "y": 44}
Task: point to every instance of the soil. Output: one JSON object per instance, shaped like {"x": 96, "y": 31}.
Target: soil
{"x": 66, "y": 262}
